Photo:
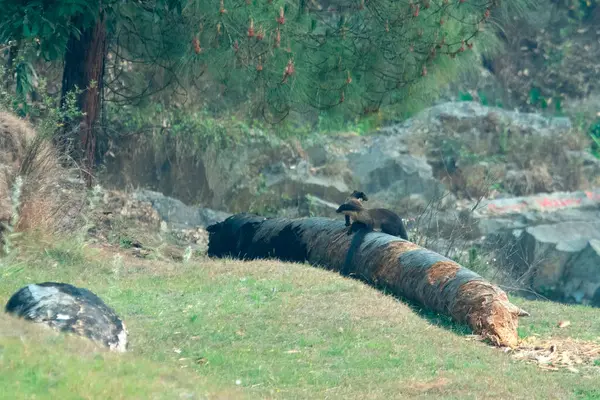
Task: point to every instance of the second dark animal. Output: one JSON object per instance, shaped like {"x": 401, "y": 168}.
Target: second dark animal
{"x": 376, "y": 218}
{"x": 355, "y": 195}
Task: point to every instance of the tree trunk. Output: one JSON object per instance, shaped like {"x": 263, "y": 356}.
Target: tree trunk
{"x": 407, "y": 270}
{"x": 84, "y": 69}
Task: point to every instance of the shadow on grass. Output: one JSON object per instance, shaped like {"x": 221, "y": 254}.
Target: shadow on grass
{"x": 434, "y": 318}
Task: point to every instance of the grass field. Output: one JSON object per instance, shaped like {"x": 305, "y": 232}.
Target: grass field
{"x": 263, "y": 329}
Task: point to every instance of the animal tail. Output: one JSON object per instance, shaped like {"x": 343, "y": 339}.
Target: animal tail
{"x": 348, "y": 207}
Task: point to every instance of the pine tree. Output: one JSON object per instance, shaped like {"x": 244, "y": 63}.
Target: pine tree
{"x": 357, "y": 54}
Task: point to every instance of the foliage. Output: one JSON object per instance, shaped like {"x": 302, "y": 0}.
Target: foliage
{"x": 279, "y": 55}
{"x": 372, "y": 61}
{"x": 201, "y": 128}
{"x": 282, "y": 56}
{"x": 41, "y": 30}
{"x": 47, "y": 114}
{"x": 194, "y": 130}
{"x": 371, "y": 51}
{"x": 47, "y": 23}
{"x": 594, "y": 132}
{"x": 50, "y": 23}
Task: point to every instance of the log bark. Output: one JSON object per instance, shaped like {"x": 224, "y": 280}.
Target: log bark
{"x": 384, "y": 261}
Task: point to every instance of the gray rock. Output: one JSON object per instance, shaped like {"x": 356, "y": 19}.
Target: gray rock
{"x": 387, "y": 172}
{"x": 382, "y": 164}
{"x": 216, "y": 176}
{"x": 70, "y": 309}
{"x": 386, "y": 169}
{"x": 561, "y": 261}
{"x": 318, "y": 155}
{"x": 469, "y": 115}
{"x": 547, "y": 242}
{"x": 297, "y": 182}
{"x": 177, "y": 214}
{"x": 471, "y": 112}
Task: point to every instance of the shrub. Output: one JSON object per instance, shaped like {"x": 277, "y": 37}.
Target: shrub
{"x": 34, "y": 186}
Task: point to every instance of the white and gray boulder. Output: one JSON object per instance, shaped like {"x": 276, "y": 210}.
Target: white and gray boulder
{"x": 548, "y": 242}
{"x": 67, "y": 308}
{"x": 561, "y": 261}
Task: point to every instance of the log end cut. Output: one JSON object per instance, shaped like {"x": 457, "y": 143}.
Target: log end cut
{"x": 488, "y": 312}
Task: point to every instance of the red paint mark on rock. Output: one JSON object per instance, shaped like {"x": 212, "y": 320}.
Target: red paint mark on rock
{"x": 510, "y": 207}
{"x": 557, "y": 203}
{"x": 545, "y": 203}
{"x": 592, "y": 195}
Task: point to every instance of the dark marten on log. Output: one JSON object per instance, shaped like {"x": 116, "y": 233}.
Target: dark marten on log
{"x": 374, "y": 218}
{"x": 356, "y": 195}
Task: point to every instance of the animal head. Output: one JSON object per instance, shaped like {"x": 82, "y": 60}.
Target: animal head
{"x": 351, "y": 207}
{"x": 359, "y": 195}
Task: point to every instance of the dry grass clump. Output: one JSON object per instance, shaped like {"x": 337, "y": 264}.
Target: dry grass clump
{"x": 15, "y": 134}
{"x": 14, "y": 137}
{"x": 33, "y": 191}
{"x": 536, "y": 179}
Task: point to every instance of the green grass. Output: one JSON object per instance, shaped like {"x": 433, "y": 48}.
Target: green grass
{"x": 38, "y": 364}
{"x": 263, "y": 329}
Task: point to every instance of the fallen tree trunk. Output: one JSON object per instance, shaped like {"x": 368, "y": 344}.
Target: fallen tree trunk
{"x": 435, "y": 282}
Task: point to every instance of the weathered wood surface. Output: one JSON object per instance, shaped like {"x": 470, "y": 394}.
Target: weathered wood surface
{"x": 420, "y": 275}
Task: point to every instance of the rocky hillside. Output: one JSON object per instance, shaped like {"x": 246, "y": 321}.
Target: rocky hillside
{"x": 462, "y": 147}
